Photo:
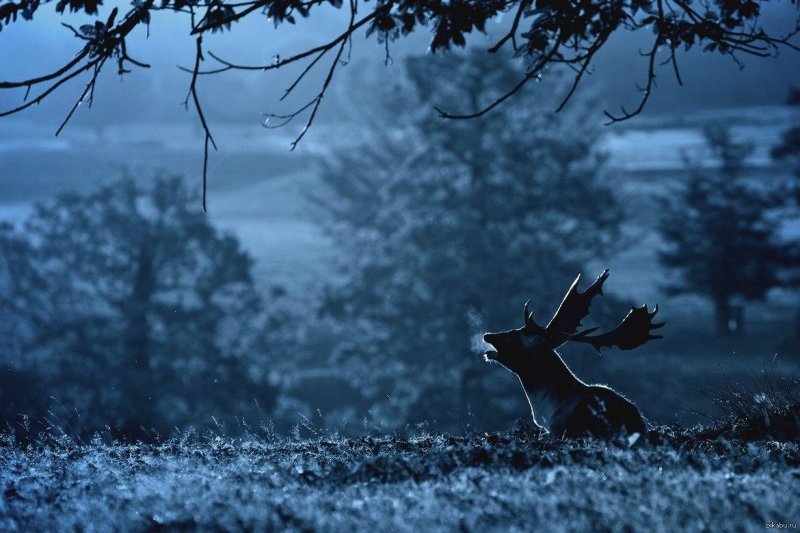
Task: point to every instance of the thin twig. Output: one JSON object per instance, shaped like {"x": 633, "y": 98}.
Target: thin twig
{"x": 511, "y": 35}
{"x": 88, "y": 89}
{"x": 529, "y": 75}
{"x": 646, "y": 91}
{"x": 315, "y": 102}
{"x": 199, "y": 109}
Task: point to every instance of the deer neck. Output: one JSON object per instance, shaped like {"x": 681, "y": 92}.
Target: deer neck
{"x": 550, "y": 387}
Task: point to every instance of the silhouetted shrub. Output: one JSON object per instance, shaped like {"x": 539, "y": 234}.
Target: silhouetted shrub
{"x": 765, "y": 407}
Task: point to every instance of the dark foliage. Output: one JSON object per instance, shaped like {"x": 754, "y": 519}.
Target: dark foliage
{"x": 130, "y": 311}
{"x": 544, "y": 33}
{"x": 765, "y": 405}
{"x": 759, "y": 420}
{"x": 722, "y": 233}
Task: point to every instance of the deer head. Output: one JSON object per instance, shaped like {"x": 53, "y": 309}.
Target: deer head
{"x": 515, "y": 348}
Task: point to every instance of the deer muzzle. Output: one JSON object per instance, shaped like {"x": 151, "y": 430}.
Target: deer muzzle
{"x": 495, "y": 340}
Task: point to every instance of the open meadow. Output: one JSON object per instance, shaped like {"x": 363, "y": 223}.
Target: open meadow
{"x": 668, "y": 480}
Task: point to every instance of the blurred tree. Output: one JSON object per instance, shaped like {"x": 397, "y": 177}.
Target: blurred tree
{"x": 448, "y": 229}
{"x": 134, "y": 310}
{"x": 545, "y": 33}
{"x": 788, "y": 149}
{"x": 722, "y": 233}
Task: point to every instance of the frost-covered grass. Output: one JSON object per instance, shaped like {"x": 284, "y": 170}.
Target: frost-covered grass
{"x": 668, "y": 480}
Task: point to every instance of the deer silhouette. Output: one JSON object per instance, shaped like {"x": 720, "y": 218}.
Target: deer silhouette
{"x": 560, "y": 402}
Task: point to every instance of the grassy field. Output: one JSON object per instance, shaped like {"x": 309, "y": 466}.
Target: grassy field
{"x": 669, "y": 480}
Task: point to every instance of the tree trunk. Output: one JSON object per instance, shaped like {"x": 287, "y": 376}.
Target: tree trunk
{"x": 738, "y": 316}
{"x": 722, "y": 316}
{"x": 797, "y": 326}
{"x": 729, "y": 318}
{"x": 137, "y": 334}
{"x": 139, "y": 383}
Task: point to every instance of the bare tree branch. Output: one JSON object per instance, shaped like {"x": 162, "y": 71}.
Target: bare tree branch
{"x": 199, "y": 109}
{"x": 532, "y": 73}
{"x": 545, "y": 33}
{"x": 646, "y": 91}
{"x": 512, "y": 33}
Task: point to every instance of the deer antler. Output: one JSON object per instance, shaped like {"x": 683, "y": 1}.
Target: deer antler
{"x": 529, "y": 321}
{"x": 634, "y": 330}
{"x": 574, "y": 307}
